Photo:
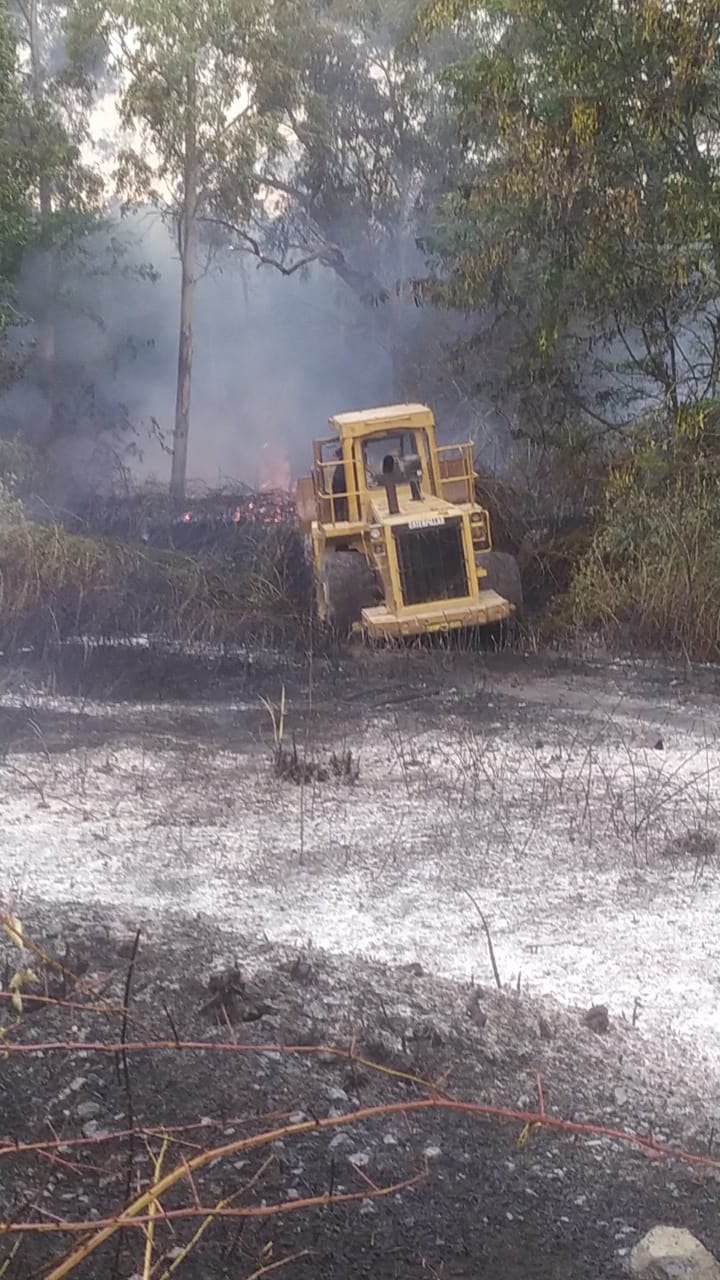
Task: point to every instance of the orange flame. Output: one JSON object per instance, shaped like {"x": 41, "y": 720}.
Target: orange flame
{"x": 274, "y": 468}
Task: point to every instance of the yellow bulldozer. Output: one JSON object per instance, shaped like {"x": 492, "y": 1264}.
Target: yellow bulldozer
{"x": 399, "y": 544}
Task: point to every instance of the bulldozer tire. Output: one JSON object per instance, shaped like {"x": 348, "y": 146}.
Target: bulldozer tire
{"x": 503, "y": 576}
{"x": 348, "y": 584}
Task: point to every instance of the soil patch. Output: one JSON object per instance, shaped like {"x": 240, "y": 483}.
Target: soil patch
{"x": 556, "y": 1208}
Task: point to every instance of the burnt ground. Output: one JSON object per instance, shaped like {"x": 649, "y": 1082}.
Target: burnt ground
{"x": 115, "y": 755}
{"x": 558, "y": 1208}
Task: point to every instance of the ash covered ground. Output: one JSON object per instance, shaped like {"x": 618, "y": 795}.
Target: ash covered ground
{"x": 576, "y": 807}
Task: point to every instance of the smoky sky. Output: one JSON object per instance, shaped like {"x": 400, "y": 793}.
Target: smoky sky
{"x": 274, "y": 357}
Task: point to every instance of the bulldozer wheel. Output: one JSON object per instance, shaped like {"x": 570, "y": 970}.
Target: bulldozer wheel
{"x": 348, "y": 585}
{"x": 503, "y": 576}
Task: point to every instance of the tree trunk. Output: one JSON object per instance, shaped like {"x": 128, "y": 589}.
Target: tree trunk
{"x": 186, "y": 240}
{"x": 181, "y": 431}
{"x": 46, "y": 322}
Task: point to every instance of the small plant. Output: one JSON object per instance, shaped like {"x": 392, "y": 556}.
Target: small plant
{"x": 277, "y": 719}
{"x": 290, "y": 767}
{"x": 24, "y": 976}
{"x": 345, "y": 766}
{"x": 698, "y": 846}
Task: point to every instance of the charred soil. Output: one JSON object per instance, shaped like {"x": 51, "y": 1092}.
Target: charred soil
{"x": 318, "y": 944}
{"x": 558, "y": 1207}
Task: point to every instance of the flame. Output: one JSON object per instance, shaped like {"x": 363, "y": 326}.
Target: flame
{"x": 274, "y": 468}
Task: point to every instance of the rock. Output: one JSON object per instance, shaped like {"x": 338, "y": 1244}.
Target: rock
{"x": 337, "y": 1095}
{"x": 598, "y": 1019}
{"x": 88, "y": 1110}
{"x": 92, "y": 1130}
{"x": 301, "y": 970}
{"x": 341, "y": 1142}
{"x": 382, "y": 1049}
{"x": 672, "y": 1253}
{"x": 428, "y": 1032}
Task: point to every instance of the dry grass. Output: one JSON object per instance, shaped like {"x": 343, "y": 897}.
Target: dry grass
{"x": 652, "y": 575}
{"x": 55, "y": 585}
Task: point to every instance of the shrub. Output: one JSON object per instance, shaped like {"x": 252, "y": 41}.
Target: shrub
{"x": 652, "y": 574}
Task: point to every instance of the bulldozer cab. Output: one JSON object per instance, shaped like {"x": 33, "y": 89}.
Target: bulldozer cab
{"x": 390, "y": 454}
{"x": 399, "y": 543}
{"x": 353, "y": 468}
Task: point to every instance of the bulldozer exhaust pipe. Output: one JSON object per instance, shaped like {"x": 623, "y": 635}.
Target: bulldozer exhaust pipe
{"x": 392, "y": 498}
{"x": 390, "y": 485}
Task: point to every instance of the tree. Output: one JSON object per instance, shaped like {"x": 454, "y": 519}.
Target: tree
{"x": 65, "y": 192}
{"x": 585, "y": 210}
{"x": 193, "y": 109}
{"x": 367, "y": 146}
{"x": 367, "y": 141}
{"x": 15, "y": 177}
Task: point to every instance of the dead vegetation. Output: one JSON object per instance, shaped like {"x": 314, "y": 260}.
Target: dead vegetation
{"x": 292, "y": 766}
{"x": 55, "y": 585}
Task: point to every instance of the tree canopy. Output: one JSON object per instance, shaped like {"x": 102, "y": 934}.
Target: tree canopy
{"x": 16, "y": 172}
{"x": 546, "y": 170}
{"x": 586, "y": 205}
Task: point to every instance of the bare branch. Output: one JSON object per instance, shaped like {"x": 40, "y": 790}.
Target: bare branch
{"x": 252, "y": 246}
{"x": 362, "y": 283}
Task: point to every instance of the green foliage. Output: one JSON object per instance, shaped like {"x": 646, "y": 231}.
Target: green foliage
{"x": 15, "y": 172}
{"x": 363, "y": 111}
{"x": 48, "y": 198}
{"x": 587, "y": 204}
{"x": 652, "y": 575}
{"x": 186, "y": 77}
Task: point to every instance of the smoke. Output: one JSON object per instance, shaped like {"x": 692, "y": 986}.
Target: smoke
{"x": 274, "y": 357}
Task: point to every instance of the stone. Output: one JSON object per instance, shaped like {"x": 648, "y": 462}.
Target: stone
{"x": 93, "y": 1130}
{"x": 598, "y": 1019}
{"x": 672, "y": 1253}
{"x": 341, "y": 1142}
{"x": 88, "y": 1110}
{"x": 337, "y": 1095}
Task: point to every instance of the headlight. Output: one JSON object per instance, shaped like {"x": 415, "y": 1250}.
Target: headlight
{"x": 376, "y": 533}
